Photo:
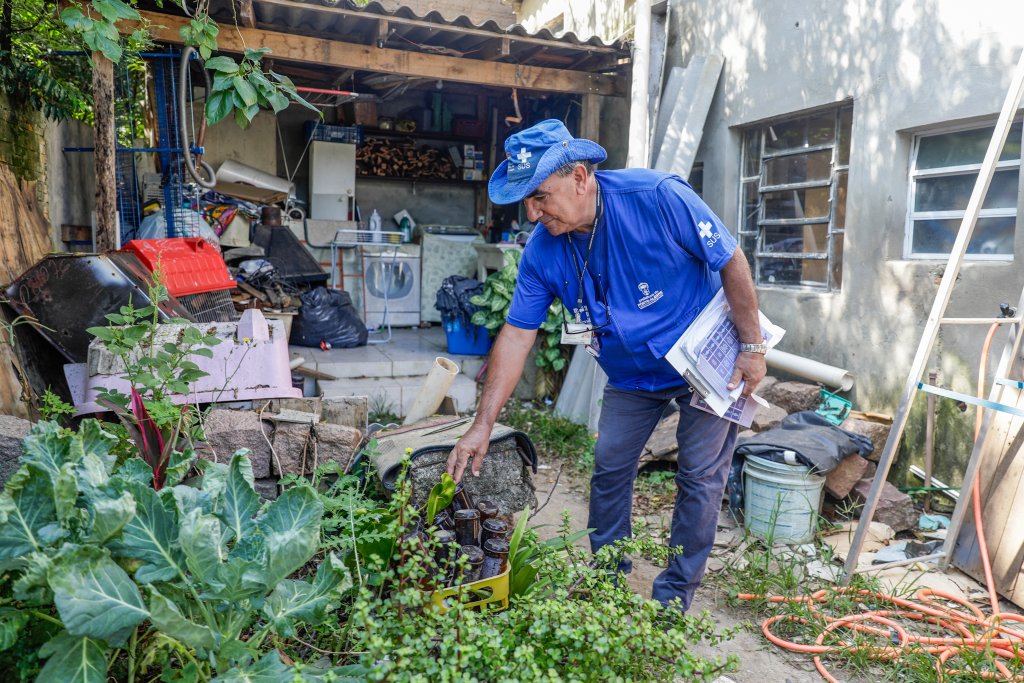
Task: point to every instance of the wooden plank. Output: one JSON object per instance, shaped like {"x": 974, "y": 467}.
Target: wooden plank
{"x": 590, "y": 118}
{"x": 438, "y": 28}
{"x": 307, "y": 50}
{"x": 689, "y": 113}
{"x": 246, "y": 13}
{"x": 24, "y": 240}
{"x": 107, "y": 229}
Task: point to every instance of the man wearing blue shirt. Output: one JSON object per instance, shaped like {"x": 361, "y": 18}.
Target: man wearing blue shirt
{"x": 634, "y": 255}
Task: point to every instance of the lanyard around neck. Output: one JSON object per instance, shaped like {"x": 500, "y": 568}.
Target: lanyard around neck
{"x": 581, "y": 272}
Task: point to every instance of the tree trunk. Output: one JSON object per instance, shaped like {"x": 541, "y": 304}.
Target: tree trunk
{"x": 106, "y": 184}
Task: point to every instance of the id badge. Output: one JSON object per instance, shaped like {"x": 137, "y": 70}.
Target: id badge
{"x": 577, "y": 333}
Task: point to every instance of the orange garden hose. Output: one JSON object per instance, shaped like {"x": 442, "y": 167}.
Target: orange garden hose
{"x": 970, "y": 629}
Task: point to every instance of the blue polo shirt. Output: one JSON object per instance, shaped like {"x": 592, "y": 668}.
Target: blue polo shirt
{"x": 657, "y": 253}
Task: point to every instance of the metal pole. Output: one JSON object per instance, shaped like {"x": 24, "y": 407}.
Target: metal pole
{"x": 929, "y": 444}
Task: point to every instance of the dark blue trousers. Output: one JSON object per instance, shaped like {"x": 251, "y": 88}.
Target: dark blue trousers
{"x": 705, "y": 452}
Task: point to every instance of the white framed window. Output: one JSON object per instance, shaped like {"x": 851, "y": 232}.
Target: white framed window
{"x": 943, "y": 169}
{"x": 793, "y": 180}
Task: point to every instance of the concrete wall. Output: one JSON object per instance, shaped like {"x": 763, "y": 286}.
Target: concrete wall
{"x": 70, "y": 176}
{"x": 907, "y": 65}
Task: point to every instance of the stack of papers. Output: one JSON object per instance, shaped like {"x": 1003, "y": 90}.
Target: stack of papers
{"x": 705, "y": 355}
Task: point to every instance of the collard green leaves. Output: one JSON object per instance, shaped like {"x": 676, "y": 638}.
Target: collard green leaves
{"x": 94, "y": 596}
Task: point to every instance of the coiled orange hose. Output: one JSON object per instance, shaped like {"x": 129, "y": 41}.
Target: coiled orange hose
{"x": 971, "y": 629}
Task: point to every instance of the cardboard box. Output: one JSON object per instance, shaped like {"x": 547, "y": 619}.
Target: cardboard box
{"x": 360, "y": 113}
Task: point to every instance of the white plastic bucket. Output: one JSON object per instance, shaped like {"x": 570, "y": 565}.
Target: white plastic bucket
{"x": 781, "y": 502}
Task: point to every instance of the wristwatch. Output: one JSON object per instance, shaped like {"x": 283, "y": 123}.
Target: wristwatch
{"x": 761, "y": 348}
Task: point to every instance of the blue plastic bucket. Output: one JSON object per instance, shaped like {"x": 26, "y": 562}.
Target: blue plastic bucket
{"x": 471, "y": 341}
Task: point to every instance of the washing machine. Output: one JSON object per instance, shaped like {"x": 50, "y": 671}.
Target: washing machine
{"x": 391, "y": 285}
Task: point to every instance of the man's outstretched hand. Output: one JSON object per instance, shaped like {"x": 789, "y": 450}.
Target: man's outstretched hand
{"x": 751, "y": 369}
{"x": 473, "y": 444}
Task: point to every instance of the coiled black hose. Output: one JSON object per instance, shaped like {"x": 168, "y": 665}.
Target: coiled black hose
{"x": 183, "y": 85}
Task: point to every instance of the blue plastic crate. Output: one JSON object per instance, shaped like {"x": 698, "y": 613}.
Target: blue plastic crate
{"x": 471, "y": 341}
{"x": 322, "y": 132}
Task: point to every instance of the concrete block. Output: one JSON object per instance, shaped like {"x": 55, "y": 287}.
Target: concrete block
{"x": 767, "y": 418}
{"x": 12, "y": 431}
{"x": 793, "y": 396}
{"x": 228, "y": 430}
{"x": 293, "y": 448}
{"x": 383, "y": 393}
{"x": 337, "y": 443}
{"x": 267, "y": 488}
{"x": 840, "y": 481}
{"x": 895, "y": 508}
{"x": 347, "y": 411}
{"x": 876, "y": 431}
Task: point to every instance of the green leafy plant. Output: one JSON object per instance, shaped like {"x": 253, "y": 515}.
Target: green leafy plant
{"x": 584, "y": 626}
{"x": 156, "y": 357}
{"x": 194, "y": 577}
{"x": 96, "y": 24}
{"x": 553, "y": 435}
{"x": 53, "y": 407}
{"x": 493, "y": 305}
{"x": 243, "y": 88}
{"x": 441, "y": 495}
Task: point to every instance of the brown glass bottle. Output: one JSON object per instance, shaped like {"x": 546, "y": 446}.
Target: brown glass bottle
{"x": 487, "y": 509}
{"x": 493, "y": 528}
{"x": 462, "y": 499}
{"x": 467, "y": 527}
{"x": 474, "y": 558}
{"x": 495, "y": 558}
{"x": 443, "y": 520}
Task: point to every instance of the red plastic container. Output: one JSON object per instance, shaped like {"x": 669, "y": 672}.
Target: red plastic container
{"x": 191, "y": 265}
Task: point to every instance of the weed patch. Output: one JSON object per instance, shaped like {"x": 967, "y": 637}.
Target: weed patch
{"x": 553, "y": 436}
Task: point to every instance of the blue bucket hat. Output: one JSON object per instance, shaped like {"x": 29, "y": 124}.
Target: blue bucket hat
{"x": 533, "y": 154}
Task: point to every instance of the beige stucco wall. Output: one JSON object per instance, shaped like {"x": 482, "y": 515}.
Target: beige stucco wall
{"x": 908, "y": 65}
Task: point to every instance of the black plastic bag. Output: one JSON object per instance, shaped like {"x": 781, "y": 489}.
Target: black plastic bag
{"x": 327, "y": 315}
{"x": 809, "y": 437}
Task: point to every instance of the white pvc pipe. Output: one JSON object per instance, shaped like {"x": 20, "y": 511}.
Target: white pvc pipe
{"x": 828, "y": 375}
{"x": 439, "y": 381}
{"x": 638, "y": 110}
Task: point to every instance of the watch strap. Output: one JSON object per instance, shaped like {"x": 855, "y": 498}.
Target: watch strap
{"x": 761, "y": 348}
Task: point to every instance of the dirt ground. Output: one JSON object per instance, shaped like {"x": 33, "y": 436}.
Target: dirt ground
{"x": 760, "y": 662}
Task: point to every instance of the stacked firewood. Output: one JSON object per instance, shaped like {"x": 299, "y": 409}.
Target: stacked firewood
{"x": 404, "y": 159}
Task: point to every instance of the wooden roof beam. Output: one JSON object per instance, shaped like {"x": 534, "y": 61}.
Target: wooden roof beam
{"x": 332, "y": 53}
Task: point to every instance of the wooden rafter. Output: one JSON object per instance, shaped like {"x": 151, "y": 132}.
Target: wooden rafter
{"x": 333, "y": 53}
{"x": 246, "y": 13}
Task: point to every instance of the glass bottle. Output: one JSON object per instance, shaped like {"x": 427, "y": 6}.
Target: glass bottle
{"x": 474, "y": 562}
{"x": 443, "y": 520}
{"x": 444, "y": 540}
{"x": 487, "y": 509}
{"x": 493, "y": 528}
{"x": 467, "y": 527}
{"x": 462, "y": 499}
{"x": 495, "y": 558}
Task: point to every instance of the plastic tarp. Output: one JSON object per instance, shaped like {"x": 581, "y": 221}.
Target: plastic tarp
{"x": 805, "y": 438}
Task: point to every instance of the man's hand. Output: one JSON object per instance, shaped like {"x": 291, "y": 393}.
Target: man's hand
{"x": 751, "y": 369}
{"x": 473, "y": 444}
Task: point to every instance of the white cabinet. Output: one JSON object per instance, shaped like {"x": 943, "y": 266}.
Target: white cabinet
{"x": 332, "y": 180}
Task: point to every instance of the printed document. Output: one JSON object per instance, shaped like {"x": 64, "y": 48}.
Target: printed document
{"x": 705, "y": 355}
